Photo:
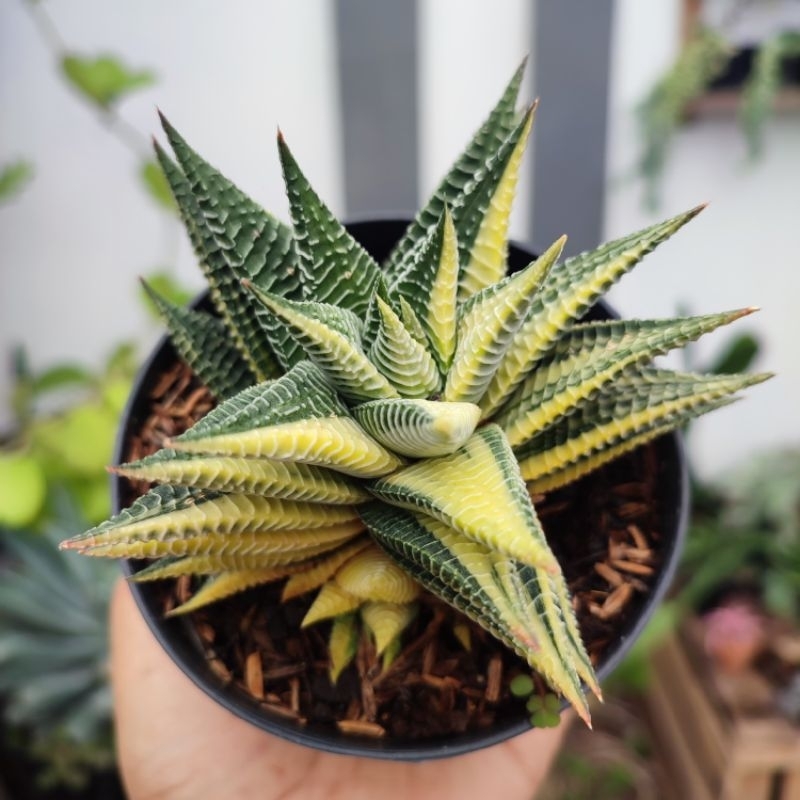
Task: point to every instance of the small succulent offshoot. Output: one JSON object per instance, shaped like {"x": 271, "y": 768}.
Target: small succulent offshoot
{"x": 381, "y": 429}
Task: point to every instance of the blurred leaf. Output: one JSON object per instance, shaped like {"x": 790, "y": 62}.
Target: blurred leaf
{"x": 23, "y": 489}
{"x": 634, "y": 673}
{"x": 13, "y": 178}
{"x": 122, "y": 361}
{"x": 738, "y": 356}
{"x": 156, "y": 184}
{"x": 78, "y": 442}
{"x": 762, "y": 86}
{"x": 115, "y": 394}
{"x": 93, "y": 497}
{"x": 780, "y": 595}
{"x": 103, "y": 79}
{"x": 662, "y": 111}
{"x": 59, "y": 377}
{"x": 167, "y": 287}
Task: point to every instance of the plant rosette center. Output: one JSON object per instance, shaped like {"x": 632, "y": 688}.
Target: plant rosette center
{"x": 383, "y": 428}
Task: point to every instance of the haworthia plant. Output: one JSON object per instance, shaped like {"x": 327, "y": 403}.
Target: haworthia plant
{"x": 378, "y": 431}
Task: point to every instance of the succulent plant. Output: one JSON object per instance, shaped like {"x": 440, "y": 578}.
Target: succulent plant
{"x": 383, "y": 429}
{"x": 54, "y": 649}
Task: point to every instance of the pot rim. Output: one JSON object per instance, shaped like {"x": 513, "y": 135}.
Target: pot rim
{"x": 179, "y": 639}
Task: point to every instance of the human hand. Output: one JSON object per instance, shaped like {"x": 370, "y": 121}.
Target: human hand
{"x": 175, "y": 743}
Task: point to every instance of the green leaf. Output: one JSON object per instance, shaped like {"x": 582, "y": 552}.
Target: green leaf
{"x": 202, "y": 341}
{"x": 567, "y": 292}
{"x": 234, "y": 238}
{"x": 336, "y": 269}
{"x": 22, "y": 489}
{"x": 591, "y": 356}
{"x": 478, "y": 491}
{"x": 468, "y": 168}
{"x": 330, "y": 336}
{"x": 13, "y": 178}
{"x": 167, "y": 288}
{"x": 738, "y": 356}
{"x": 156, "y": 184}
{"x": 61, "y": 376}
{"x": 103, "y": 79}
{"x": 521, "y": 685}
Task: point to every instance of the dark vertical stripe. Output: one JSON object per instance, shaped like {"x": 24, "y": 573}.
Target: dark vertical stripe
{"x": 571, "y": 52}
{"x": 377, "y": 52}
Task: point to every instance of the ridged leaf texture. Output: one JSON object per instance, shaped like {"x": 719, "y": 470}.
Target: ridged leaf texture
{"x": 379, "y": 432}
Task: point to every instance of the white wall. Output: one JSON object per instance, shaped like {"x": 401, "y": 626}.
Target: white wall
{"x": 743, "y": 250}
{"x": 72, "y": 246}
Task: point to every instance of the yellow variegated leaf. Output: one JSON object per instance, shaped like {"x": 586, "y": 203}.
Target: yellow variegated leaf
{"x": 331, "y": 601}
{"x": 590, "y": 357}
{"x": 295, "y": 544}
{"x": 430, "y": 288}
{"x": 487, "y": 263}
{"x": 386, "y": 621}
{"x": 337, "y": 443}
{"x": 478, "y": 491}
{"x": 418, "y": 428}
{"x": 320, "y": 570}
{"x": 220, "y": 515}
{"x": 343, "y": 644}
{"x": 372, "y": 575}
{"x": 636, "y": 407}
{"x": 225, "y": 585}
{"x": 338, "y": 354}
{"x": 403, "y": 361}
{"x": 487, "y": 324}
{"x": 271, "y": 478}
{"x": 565, "y": 295}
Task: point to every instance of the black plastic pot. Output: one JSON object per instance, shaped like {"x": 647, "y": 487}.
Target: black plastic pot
{"x": 179, "y": 639}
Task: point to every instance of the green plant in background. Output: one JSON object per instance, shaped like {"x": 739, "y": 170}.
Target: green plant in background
{"x": 384, "y": 428}
{"x": 703, "y": 58}
{"x": 755, "y": 512}
{"x": 64, "y": 426}
{"x": 662, "y": 111}
{"x": 53, "y": 608}
{"x": 54, "y": 650}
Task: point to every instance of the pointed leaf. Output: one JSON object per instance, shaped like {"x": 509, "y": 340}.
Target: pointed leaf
{"x": 330, "y": 337}
{"x": 401, "y": 359}
{"x": 488, "y": 248}
{"x": 204, "y": 343}
{"x": 207, "y": 523}
{"x": 386, "y": 621}
{"x": 487, "y": 325}
{"x": 331, "y": 601}
{"x": 418, "y": 428}
{"x": 588, "y": 358}
{"x": 636, "y": 407}
{"x": 336, "y": 269}
{"x": 262, "y": 476}
{"x": 430, "y": 288}
{"x": 478, "y": 491}
{"x": 469, "y": 167}
{"x": 225, "y": 585}
{"x": 295, "y": 418}
{"x": 342, "y": 644}
{"x": 372, "y": 575}
{"x": 235, "y": 238}
{"x": 516, "y": 604}
{"x": 565, "y": 295}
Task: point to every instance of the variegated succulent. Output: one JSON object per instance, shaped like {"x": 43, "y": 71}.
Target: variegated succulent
{"x": 382, "y": 428}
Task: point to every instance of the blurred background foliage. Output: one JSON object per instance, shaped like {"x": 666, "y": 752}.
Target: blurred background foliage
{"x": 710, "y": 61}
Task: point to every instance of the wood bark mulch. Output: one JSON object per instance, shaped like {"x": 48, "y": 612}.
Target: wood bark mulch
{"x": 603, "y": 529}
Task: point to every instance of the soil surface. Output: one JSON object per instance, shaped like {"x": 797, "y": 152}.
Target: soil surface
{"x": 603, "y": 529}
